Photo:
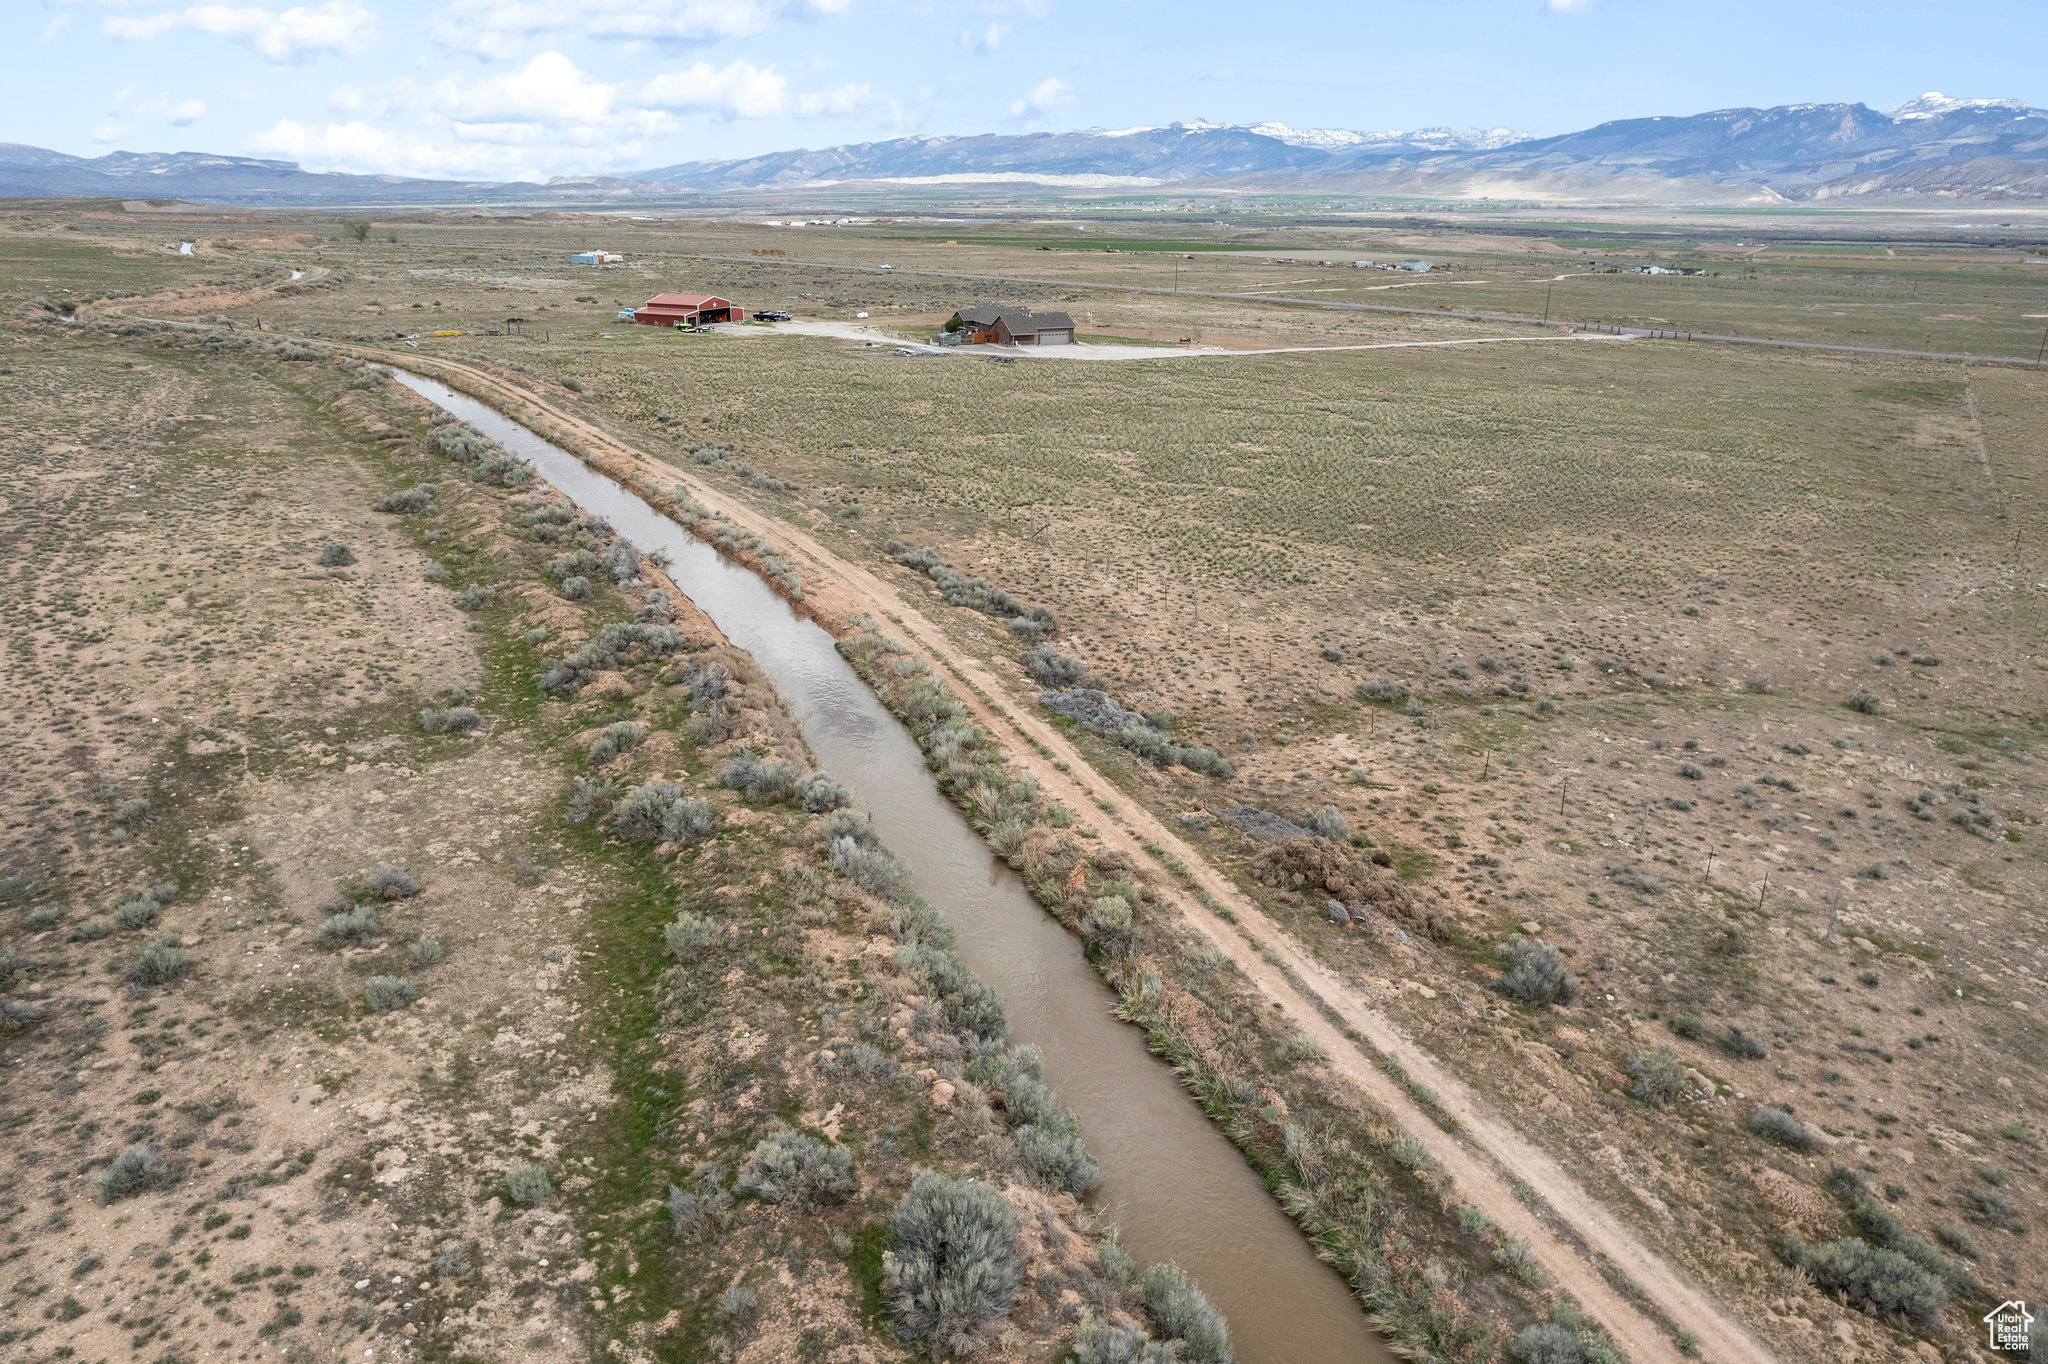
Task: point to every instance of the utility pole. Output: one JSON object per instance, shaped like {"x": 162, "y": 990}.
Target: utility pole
{"x": 1562, "y": 787}
{"x": 2042, "y": 349}
{"x": 1710, "y": 866}
{"x": 1765, "y": 890}
{"x": 1486, "y": 764}
{"x": 1546, "y": 300}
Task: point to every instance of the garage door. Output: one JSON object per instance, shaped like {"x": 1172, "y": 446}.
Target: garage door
{"x": 1054, "y": 338}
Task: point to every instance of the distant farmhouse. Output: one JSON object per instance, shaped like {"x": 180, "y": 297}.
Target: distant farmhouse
{"x": 993, "y": 324}
{"x": 595, "y": 258}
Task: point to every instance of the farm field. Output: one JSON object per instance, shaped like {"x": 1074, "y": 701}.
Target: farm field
{"x": 1717, "y": 669}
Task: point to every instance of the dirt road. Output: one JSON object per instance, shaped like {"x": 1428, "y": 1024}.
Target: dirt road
{"x": 1486, "y": 1159}
{"x": 854, "y": 331}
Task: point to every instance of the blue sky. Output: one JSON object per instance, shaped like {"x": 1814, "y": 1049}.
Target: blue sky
{"x": 530, "y": 88}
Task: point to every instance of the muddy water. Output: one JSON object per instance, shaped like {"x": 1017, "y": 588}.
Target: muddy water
{"x": 1171, "y": 1181}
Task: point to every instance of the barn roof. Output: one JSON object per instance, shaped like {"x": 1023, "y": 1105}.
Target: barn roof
{"x": 684, "y": 300}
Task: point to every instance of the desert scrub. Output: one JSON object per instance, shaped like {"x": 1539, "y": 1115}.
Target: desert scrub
{"x": 138, "y": 1169}
{"x": 688, "y": 936}
{"x": 391, "y": 883}
{"x": 454, "y": 720}
{"x": 615, "y": 645}
{"x": 874, "y": 869}
{"x": 1659, "y": 1076}
{"x": 159, "y": 963}
{"x": 955, "y": 1267}
{"x": 334, "y": 555}
{"x": 476, "y": 597}
{"x": 1886, "y": 1280}
{"x": 1330, "y": 823}
{"x": 1864, "y": 703}
{"x": 576, "y": 588}
{"x": 1047, "y": 1133}
{"x": 660, "y": 811}
{"x": 414, "y": 501}
{"x": 1185, "y": 1314}
{"x": 1145, "y": 735}
{"x": 1110, "y": 925}
{"x": 1049, "y": 667}
{"x": 351, "y": 926}
{"x": 1775, "y": 1124}
{"x": 140, "y": 911}
{"x": 426, "y": 951}
{"x": 1536, "y": 972}
{"x": 761, "y": 779}
{"x": 976, "y": 594}
{"x": 792, "y": 1166}
{"x": 820, "y": 794}
{"x": 385, "y": 994}
{"x": 1741, "y": 1045}
{"x": 622, "y": 736}
{"x": 527, "y": 1185}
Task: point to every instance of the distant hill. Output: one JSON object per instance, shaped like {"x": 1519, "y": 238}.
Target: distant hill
{"x": 1933, "y": 147}
{"x": 1132, "y": 156}
{"x": 1794, "y": 148}
{"x": 34, "y": 172}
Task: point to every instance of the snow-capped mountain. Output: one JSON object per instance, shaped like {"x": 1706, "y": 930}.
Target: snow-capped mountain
{"x": 1933, "y": 146}
{"x": 1934, "y": 104}
{"x": 1345, "y": 140}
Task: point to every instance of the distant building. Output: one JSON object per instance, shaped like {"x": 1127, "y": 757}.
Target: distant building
{"x": 1419, "y": 266}
{"x": 993, "y": 324}
{"x": 665, "y": 310}
{"x": 595, "y": 258}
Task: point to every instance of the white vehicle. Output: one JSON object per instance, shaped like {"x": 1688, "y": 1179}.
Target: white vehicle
{"x": 885, "y": 267}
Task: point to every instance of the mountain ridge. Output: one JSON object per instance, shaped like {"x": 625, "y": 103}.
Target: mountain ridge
{"x": 1933, "y": 146}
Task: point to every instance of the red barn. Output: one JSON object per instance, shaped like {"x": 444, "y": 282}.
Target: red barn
{"x": 665, "y": 310}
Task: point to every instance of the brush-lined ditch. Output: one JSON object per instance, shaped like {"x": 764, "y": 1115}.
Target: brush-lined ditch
{"x": 1439, "y": 1282}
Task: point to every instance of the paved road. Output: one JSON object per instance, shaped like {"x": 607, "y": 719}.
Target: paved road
{"x": 1510, "y": 318}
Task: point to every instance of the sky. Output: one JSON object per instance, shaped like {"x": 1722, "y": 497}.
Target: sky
{"x": 527, "y": 89}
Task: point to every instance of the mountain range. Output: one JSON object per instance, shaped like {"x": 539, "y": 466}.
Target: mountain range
{"x": 1932, "y": 147}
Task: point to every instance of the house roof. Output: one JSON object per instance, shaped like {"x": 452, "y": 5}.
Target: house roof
{"x": 684, "y": 300}
{"x": 1018, "y": 319}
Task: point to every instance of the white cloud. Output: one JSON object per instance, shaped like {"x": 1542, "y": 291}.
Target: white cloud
{"x": 988, "y": 40}
{"x": 179, "y": 113}
{"x": 1045, "y": 96}
{"x": 738, "y": 90}
{"x": 498, "y": 30}
{"x": 843, "y": 99}
{"x": 289, "y": 36}
{"x": 547, "y": 117}
{"x": 109, "y": 132}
